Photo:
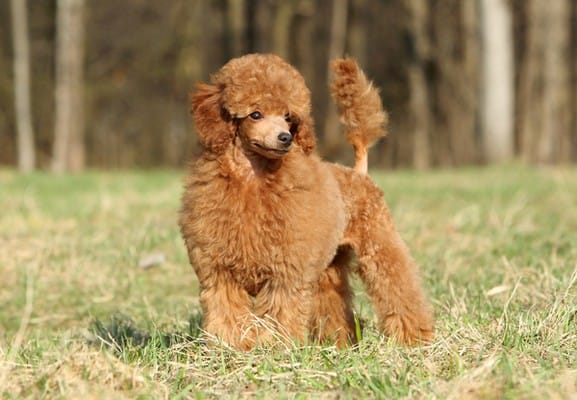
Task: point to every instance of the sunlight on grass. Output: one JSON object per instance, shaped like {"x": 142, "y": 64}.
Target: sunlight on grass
{"x": 498, "y": 254}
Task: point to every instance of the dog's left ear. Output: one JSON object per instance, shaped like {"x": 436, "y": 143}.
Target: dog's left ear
{"x": 305, "y": 135}
{"x": 214, "y": 125}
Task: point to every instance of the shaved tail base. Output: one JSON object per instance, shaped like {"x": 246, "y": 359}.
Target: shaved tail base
{"x": 361, "y": 157}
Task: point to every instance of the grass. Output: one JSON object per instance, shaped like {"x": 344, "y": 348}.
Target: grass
{"x": 78, "y": 317}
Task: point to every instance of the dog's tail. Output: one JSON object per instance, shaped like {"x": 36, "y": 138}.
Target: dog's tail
{"x": 360, "y": 108}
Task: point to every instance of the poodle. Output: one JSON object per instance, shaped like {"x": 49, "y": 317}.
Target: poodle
{"x": 273, "y": 232}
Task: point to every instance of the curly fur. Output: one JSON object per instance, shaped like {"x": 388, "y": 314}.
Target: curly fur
{"x": 360, "y": 107}
{"x": 272, "y": 231}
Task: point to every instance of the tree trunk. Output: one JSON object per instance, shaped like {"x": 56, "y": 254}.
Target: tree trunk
{"x": 573, "y": 62}
{"x": 418, "y": 89}
{"x": 260, "y": 15}
{"x": 68, "y": 152}
{"x": 357, "y": 36}
{"x": 236, "y": 23}
{"x": 497, "y": 114}
{"x": 304, "y": 29}
{"x": 529, "y": 110}
{"x": 282, "y": 27}
{"x": 332, "y": 129}
{"x": 555, "y": 140}
{"x": 454, "y": 74}
{"x": 544, "y": 87}
{"x": 25, "y": 132}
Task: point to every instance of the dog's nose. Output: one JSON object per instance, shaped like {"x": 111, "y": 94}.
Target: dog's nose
{"x": 285, "y": 138}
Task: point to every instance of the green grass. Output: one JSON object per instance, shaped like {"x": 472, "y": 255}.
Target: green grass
{"x": 497, "y": 249}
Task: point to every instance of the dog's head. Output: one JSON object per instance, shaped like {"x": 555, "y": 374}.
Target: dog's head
{"x": 261, "y": 99}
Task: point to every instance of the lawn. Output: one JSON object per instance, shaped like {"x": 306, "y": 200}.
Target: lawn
{"x": 80, "y": 316}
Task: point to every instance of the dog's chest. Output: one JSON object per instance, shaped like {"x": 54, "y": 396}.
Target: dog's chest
{"x": 261, "y": 233}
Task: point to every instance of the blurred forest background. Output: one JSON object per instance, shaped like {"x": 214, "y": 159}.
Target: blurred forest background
{"x": 105, "y": 83}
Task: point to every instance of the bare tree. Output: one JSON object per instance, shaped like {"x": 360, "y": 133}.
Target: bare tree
{"x": 282, "y": 27}
{"x": 555, "y": 142}
{"x": 68, "y": 150}
{"x": 418, "y": 88}
{"x": 456, "y": 82}
{"x": 357, "y": 31}
{"x": 497, "y": 97}
{"x": 304, "y": 29}
{"x": 544, "y": 98}
{"x": 259, "y": 26}
{"x": 339, "y": 17}
{"x": 236, "y": 23}
{"x": 573, "y": 90}
{"x": 26, "y": 152}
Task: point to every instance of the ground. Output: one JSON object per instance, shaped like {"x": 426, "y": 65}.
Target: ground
{"x": 497, "y": 248}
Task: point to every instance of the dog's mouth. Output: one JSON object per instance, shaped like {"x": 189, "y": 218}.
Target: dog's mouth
{"x": 260, "y": 148}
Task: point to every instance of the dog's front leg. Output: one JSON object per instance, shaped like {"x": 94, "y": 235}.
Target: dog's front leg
{"x": 227, "y": 315}
{"x": 284, "y": 311}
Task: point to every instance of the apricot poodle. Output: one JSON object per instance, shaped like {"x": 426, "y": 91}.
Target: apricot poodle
{"x": 272, "y": 231}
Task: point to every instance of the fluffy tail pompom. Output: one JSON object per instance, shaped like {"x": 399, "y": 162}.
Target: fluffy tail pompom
{"x": 360, "y": 109}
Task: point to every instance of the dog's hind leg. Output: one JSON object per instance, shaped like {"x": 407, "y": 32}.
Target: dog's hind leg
{"x": 386, "y": 268}
{"x": 333, "y": 317}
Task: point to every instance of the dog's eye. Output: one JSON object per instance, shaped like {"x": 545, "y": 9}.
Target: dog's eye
{"x": 255, "y": 115}
{"x": 288, "y": 118}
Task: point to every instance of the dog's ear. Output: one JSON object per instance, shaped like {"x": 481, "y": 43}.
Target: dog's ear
{"x": 305, "y": 135}
{"x": 214, "y": 125}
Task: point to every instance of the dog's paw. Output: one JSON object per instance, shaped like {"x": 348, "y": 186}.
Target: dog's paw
{"x": 409, "y": 331}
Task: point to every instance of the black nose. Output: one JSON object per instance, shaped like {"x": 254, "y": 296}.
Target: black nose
{"x": 285, "y": 138}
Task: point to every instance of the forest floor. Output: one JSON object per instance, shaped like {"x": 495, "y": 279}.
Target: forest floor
{"x": 79, "y": 316}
